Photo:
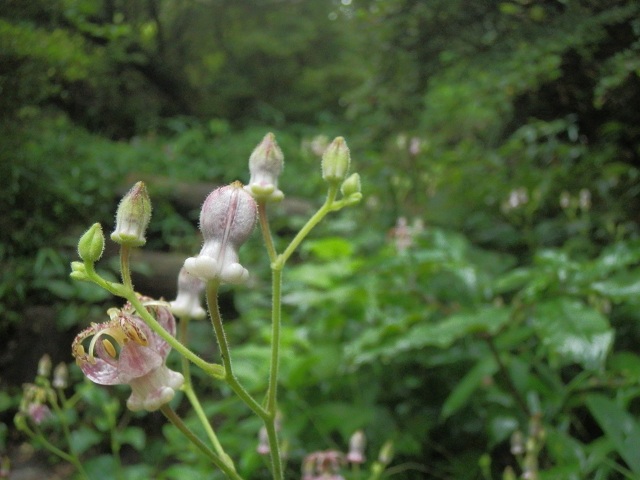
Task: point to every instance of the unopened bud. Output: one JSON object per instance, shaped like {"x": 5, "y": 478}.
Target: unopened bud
{"x": 60, "y": 376}
{"x": 132, "y": 219}
{"x": 91, "y": 244}
{"x": 263, "y": 442}
{"x": 357, "y": 443}
{"x": 517, "y": 443}
{"x": 335, "y": 161}
{"x": 78, "y": 271}
{"x": 351, "y": 189}
{"x": 227, "y": 219}
{"x": 44, "y": 366}
{"x": 386, "y": 453}
{"x": 187, "y": 302}
{"x": 265, "y": 165}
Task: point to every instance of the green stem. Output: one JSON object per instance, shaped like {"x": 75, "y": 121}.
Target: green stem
{"x": 229, "y": 377}
{"x": 67, "y": 434}
{"x": 266, "y": 231}
{"x": 125, "y": 271}
{"x": 327, "y": 207}
{"x": 72, "y": 459}
{"x": 212, "y": 369}
{"x": 215, "y": 459}
{"x": 195, "y": 401}
{"x": 276, "y": 312}
{"x": 274, "y": 449}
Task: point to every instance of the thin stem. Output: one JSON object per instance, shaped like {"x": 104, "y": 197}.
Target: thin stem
{"x": 125, "y": 271}
{"x": 274, "y": 449}
{"x": 215, "y": 459}
{"x": 229, "y": 376}
{"x": 72, "y": 459}
{"x": 311, "y": 223}
{"x": 505, "y": 373}
{"x": 266, "y": 231}
{"x": 212, "y": 369}
{"x": 66, "y": 432}
{"x": 276, "y": 312}
{"x": 195, "y": 401}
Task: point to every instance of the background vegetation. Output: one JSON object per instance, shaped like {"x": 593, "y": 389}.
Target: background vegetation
{"x": 505, "y": 134}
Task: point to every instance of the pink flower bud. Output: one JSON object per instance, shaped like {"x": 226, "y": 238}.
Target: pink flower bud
{"x": 132, "y": 219}
{"x": 265, "y": 164}
{"x": 357, "y": 443}
{"x": 227, "y": 219}
{"x": 187, "y": 302}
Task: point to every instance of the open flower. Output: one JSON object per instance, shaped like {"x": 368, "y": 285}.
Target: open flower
{"x": 187, "y": 302}
{"x": 227, "y": 218}
{"x": 125, "y": 350}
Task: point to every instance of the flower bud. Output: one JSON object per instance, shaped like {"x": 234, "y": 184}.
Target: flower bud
{"x": 263, "y": 442}
{"x": 78, "y": 271}
{"x": 265, "y": 164}
{"x": 351, "y": 189}
{"x": 357, "y": 443}
{"x": 132, "y": 219}
{"x": 60, "y": 376}
{"x": 91, "y": 244}
{"x": 335, "y": 161}
{"x": 227, "y": 219}
{"x": 44, "y": 366}
{"x": 187, "y": 302}
{"x": 386, "y": 453}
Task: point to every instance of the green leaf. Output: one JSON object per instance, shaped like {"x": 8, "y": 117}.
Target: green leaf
{"x": 84, "y": 438}
{"x": 619, "y": 426}
{"x": 467, "y": 385}
{"x": 134, "y": 436}
{"x": 573, "y": 332}
{"x": 625, "y": 286}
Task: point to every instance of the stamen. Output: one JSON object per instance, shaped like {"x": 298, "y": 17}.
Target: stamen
{"x": 108, "y": 346}
{"x": 133, "y": 332}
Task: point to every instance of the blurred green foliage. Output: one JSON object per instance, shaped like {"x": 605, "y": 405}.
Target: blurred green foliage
{"x": 505, "y": 133}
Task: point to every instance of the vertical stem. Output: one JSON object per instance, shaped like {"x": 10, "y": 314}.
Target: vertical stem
{"x": 276, "y": 309}
{"x": 216, "y": 322}
{"x": 125, "y": 271}
{"x": 193, "y": 398}
{"x": 266, "y": 231}
{"x": 229, "y": 377}
{"x": 215, "y": 459}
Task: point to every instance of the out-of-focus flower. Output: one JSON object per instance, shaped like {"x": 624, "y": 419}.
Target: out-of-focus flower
{"x": 323, "y": 465}
{"x": 265, "y": 164}
{"x": 415, "y": 145}
{"x": 517, "y": 443}
{"x": 187, "y": 302}
{"x": 140, "y": 360}
{"x": 584, "y": 199}
{"x": 227, "y": 218}
{"x": 357, "y": 443}
{"x": 44, "y": 366}
{"x": 60, "y": 376}
{"x": 33, "y": 404}
{"x": 565, "y": 200}
{"x": 263, "y": 442}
